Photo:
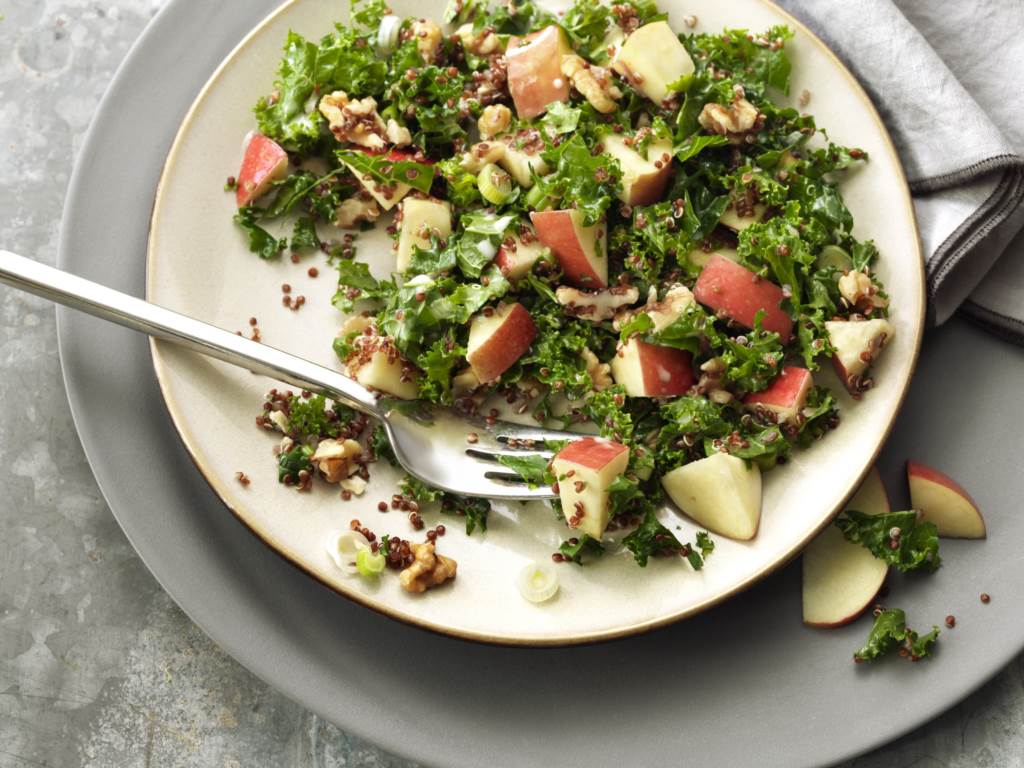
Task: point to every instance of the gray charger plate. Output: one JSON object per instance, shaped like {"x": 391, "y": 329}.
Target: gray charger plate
{"x": 743, "y": 684}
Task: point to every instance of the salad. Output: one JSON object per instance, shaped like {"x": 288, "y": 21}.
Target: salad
{"x": 597, "y": 221}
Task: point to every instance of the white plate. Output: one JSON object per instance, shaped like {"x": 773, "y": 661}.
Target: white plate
{"x": 199, "y": 264}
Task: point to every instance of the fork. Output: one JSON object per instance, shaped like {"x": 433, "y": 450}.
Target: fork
{"x": 448, "y": 451}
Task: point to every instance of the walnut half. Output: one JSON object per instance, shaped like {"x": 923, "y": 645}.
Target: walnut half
{"x": 593, "y": 82}
{"x": 428, "y": 569}
{"x": 736, "y": 122}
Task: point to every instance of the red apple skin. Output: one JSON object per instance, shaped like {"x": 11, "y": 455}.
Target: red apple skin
{"x": 558, "y": 231}
{"x": 504, "y": 346}
{"x": 677, "y": 363}
{"x": 787, "y": 392}
{"x": 263, "y": 164}
{"x": 591, "y": 452}
{"x": 916, "y": 469}
{"x": 727, "y": 287}
{"x": 535, "y": 77}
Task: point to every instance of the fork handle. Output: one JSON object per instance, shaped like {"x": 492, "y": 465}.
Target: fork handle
{"x": 108, "y": 304}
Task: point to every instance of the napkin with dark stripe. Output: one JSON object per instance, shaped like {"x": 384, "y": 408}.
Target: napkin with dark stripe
{"x": 947, "y": 79}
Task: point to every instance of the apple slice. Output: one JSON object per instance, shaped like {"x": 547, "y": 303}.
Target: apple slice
{"x": 422, "y": 217}
{"x": 375, "y": 362}
{"x": 721, "y": 493}
{"x": 942, "y": 501}
{"x": 740, "y": 294}
{"x": 264, "y": 163}
{"x": 842, "y": 579}
{"x": 387, "y": 197}
{"x": 856, "y": 344}
{"x": 521, "y": 164}
{"x": 652, "y": 59}
{"x": 643, "y": 178}
{"x": 651, "y": 370}
{"x": 535, "y": 77}
{"x": 699, "y": 257}
{"x": 584, "y": 470}
{"x": 785, "y": 396}
{"x": 497, "y": 338}
{"x": 580, "y": 250}
{"x": 737, "y": 222}
{"x": 519, "y": 253}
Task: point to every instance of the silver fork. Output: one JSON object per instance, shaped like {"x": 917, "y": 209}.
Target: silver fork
{"x": 437, "y": 450}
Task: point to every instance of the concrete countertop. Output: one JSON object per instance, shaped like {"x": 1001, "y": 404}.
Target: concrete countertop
{"x": 98, "y": 666}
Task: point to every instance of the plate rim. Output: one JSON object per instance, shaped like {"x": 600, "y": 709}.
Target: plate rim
{"x": 191, "y": 442}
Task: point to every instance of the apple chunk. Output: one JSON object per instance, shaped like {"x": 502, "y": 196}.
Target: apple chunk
{"x": 700, "y": 257}
{"x": 263, "y": 164}
{"x": 856, "y": 344}
{"x": 721, "y": 493}
{"x": 737, "y": 221}
{"x": 535, "y": 77}
{"x": 375, "y": 362}
{"x": 942, "y": 501}
{"x": 386, "y": 196}
{"x": 497, "y": 338}
{"x": 651, "y": 370}
{"x": 740, "y": 294}
{"x": 643, "y": 178}
{"x": 421, "y": 219}
{"x": 584, "y": 470}
{"x": 518, "y": 254}
{"x": 652, "y": 59}
{"x": 841, "y": 579}
{"x": 785, "y": 396}
{"x": 579, "y": 249}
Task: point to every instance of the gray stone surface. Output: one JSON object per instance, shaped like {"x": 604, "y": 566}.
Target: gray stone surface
{"x": 98, "y": 666}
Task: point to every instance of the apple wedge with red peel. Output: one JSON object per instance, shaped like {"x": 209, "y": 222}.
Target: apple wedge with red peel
{"x": 721, "y": 493}
{"x": 584, "y": 470}
{"x": 652, "y": 59}
{"x": 375, "y": 362}
{"x": 856, "y": 344}
{"x": 422, "y": 218}
{"x": 942, "y": 501}
{"x": 535, "y": 77}
{"x": 785, "y": 396}
{"x": 842, "y": 579}
{"x": 651, "y": 370}
{"x": 739, "y": 294}
{"x": 517, "y": 255}
{"x": 736, "y": 222}
{"x": 581, "y": 250}
{"x": 497, "y": 338}
{"x": 264, "y": 163}
{"x": 643, "y": 178}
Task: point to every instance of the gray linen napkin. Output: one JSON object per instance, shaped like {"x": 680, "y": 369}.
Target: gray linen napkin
{"x": 946, "y": 77}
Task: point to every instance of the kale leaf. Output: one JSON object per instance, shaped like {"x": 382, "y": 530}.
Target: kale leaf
{"x": 898, "y": 538}
{"x": 890, "y": 632}
{"x": 582, "y": 549}
{"x": 261, "y": 242}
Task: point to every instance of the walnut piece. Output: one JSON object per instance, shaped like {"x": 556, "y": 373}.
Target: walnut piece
{"x": 334, "y": 458}
{"x": 428, "y": 38}
{"x": 734, "y": 122}
{"x": 600, "y": 373}
{"x": 428, "y": 569}
{"x": 354, "y": 121}
{"x": 593, "y": 82}
{"x": 858, "y": 289}
{"x": 355, "y": 210}
{"x": 397, "y": 134}
{"x": 596, "y": 306}
{"x": 495, "y": 119}
{"x": 710, "y": 383}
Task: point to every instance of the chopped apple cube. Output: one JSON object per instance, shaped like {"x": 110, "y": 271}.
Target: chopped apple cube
{"x": 841, "y": 579}
{"x": 699, "y": 257}
{"x": 584, "y": 470}
{"x": 263, "y": 164}
{"x": 497, "y": 338}
{"x": 375, "y": 362}
{"x": 740, "y": 294}
{"x": 421, "y": 219}
{"x": 652, "y": 59}
{"x": 386, "y": 196}
{"x": 651, "y": 370}
{"x": 535, "y": 77}
{"x": 521, "y": 164}
{"x": 785, "y": 396}
{"x": 579, "y": 249}
{"x": 737, "y": 221}
{"x": 857, "y": 344}
{"x": 519, "y": 253}
{"x": 944, "y": 502}
{"x": 643, "y": 178}
{"x": 721, "y": 493}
